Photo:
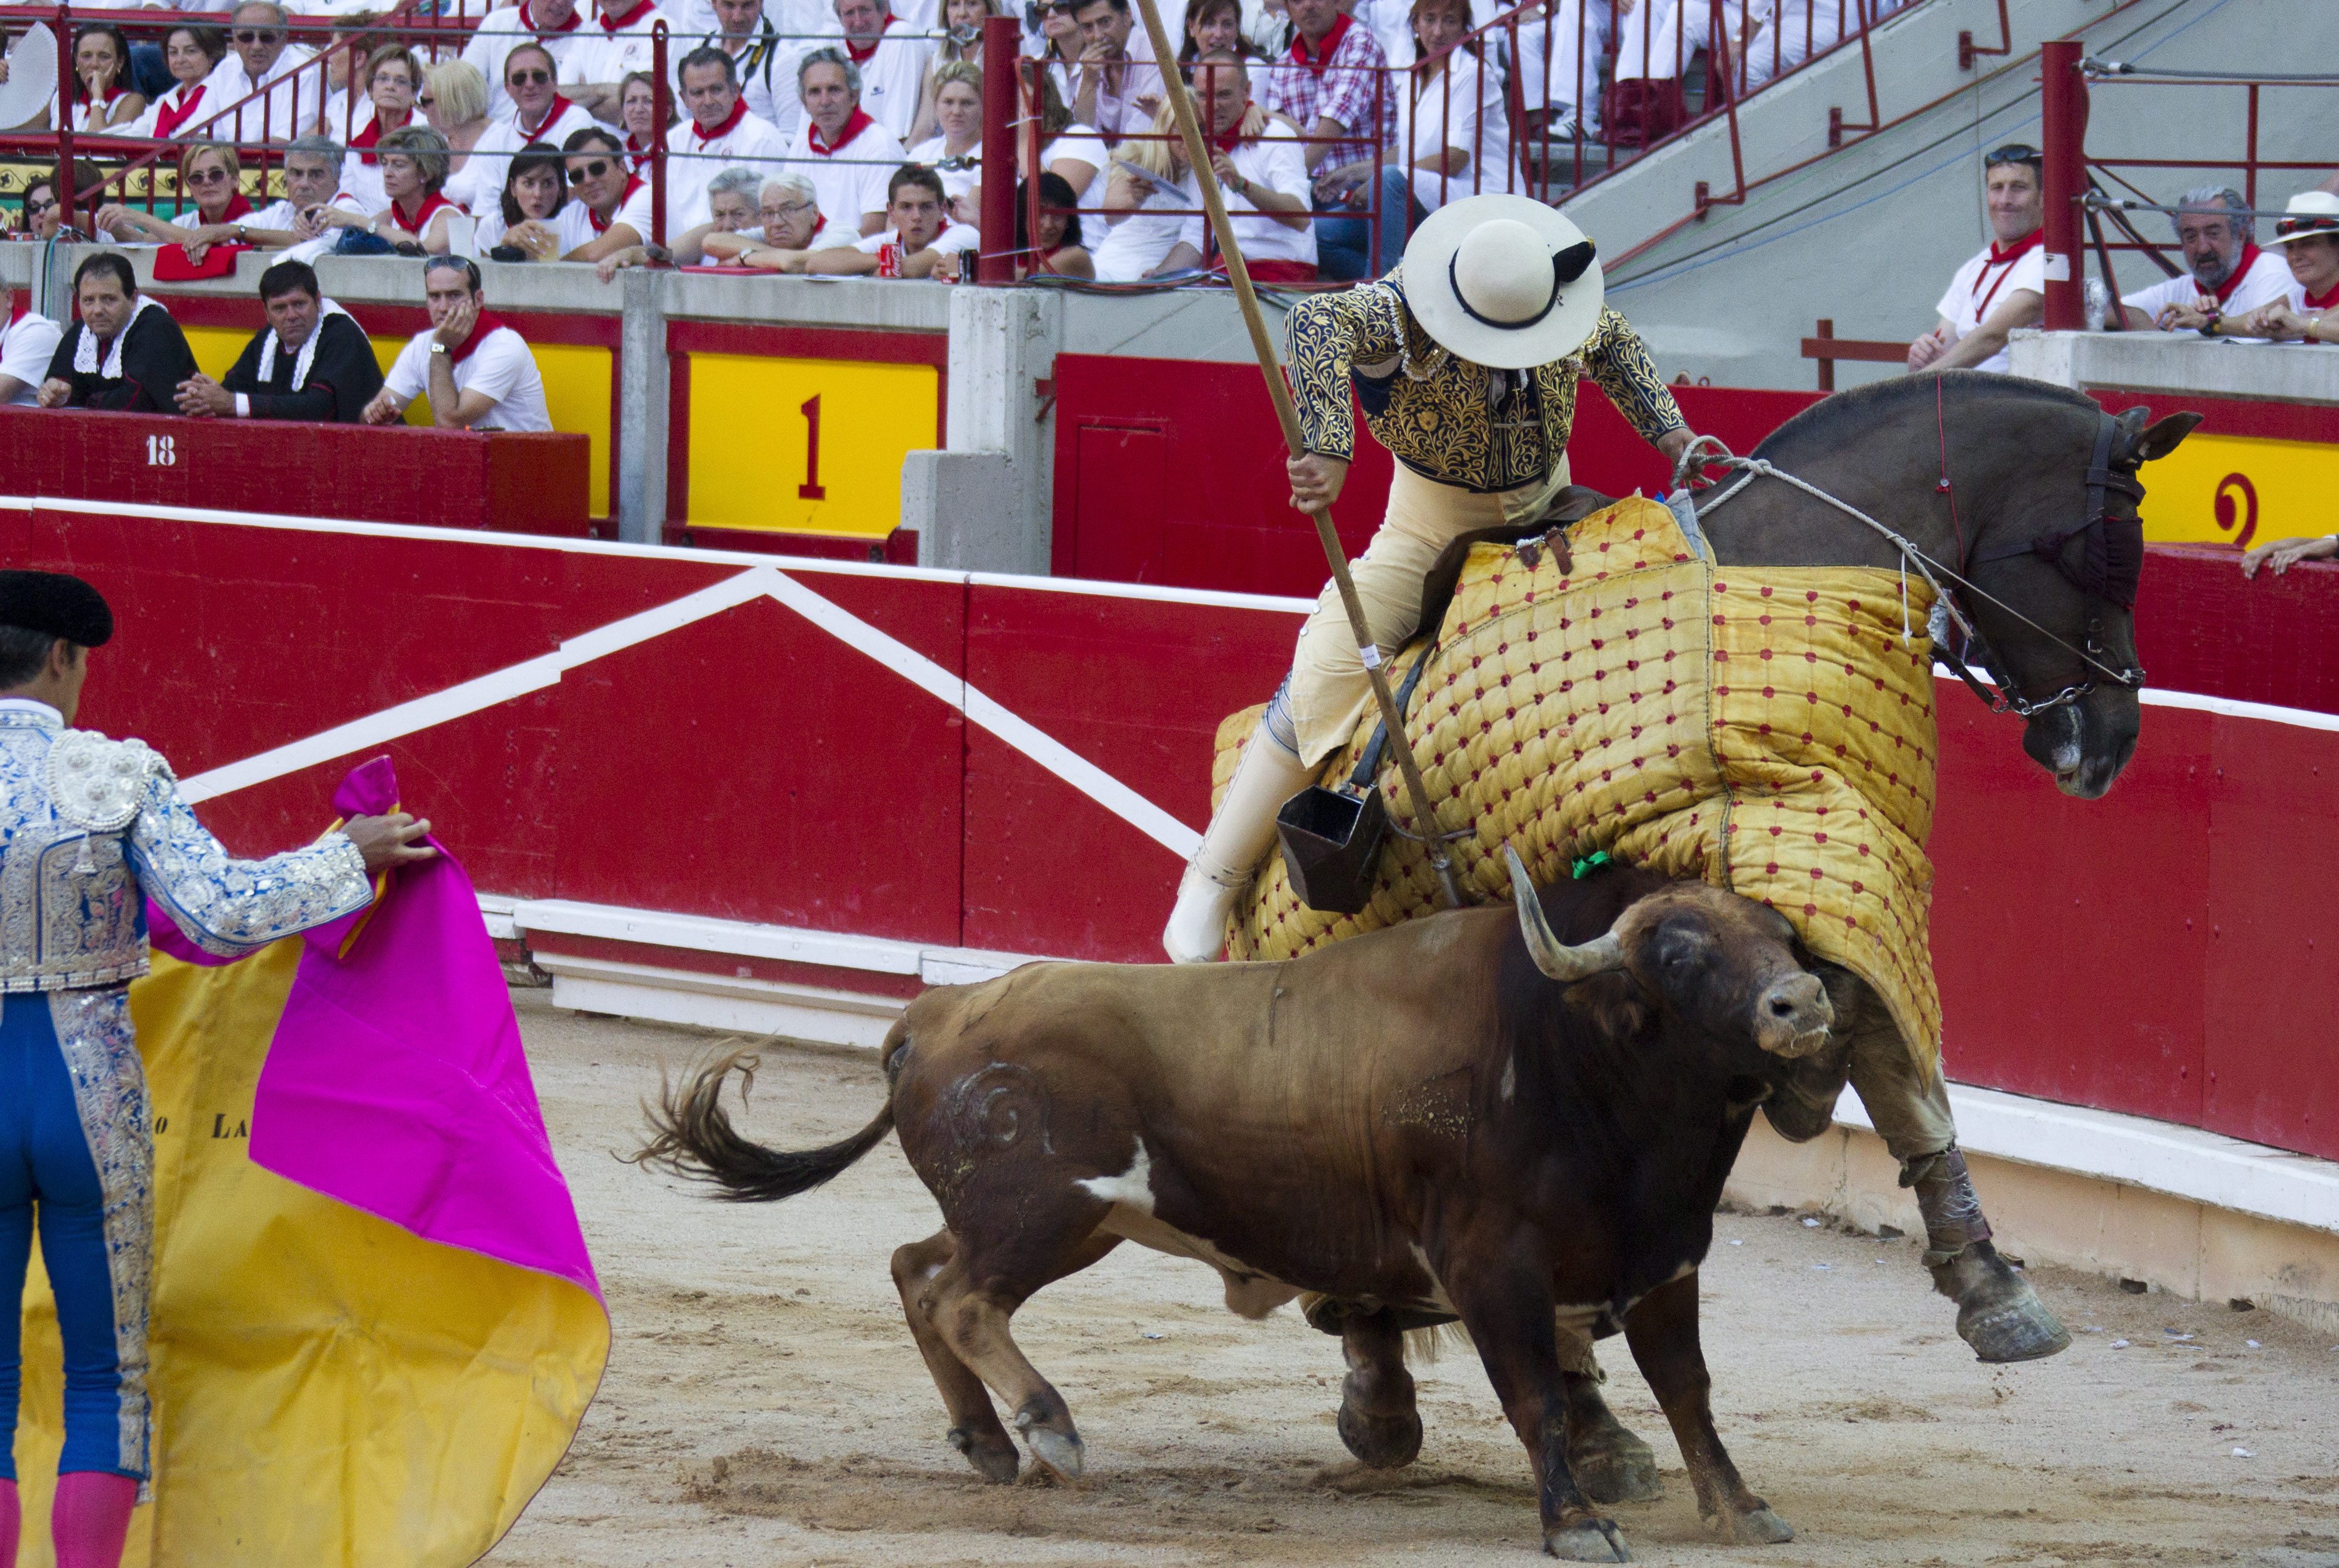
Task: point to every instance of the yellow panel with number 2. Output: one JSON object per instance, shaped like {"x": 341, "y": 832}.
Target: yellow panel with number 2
{"x": 806, "y": 446}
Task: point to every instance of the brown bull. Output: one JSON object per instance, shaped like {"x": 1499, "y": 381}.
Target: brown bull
{"x": 1415, "y": 1122}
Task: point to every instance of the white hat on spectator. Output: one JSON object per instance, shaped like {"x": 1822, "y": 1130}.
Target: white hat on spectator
{"x": 1503, "y": 282}
{"x": 2309, "y": 213}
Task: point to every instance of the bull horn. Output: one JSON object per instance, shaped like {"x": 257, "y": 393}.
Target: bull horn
{"x": 1562, "y": 963}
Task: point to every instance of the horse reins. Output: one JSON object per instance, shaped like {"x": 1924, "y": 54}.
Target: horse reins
{"x": 2110, "y": 567}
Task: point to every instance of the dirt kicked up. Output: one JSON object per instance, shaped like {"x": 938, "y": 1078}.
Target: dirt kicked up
{"x": 764, "y": 1404}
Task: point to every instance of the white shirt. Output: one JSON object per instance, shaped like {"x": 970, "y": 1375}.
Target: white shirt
{"x": 573, "y": 223}
{"x": 500, "y": 368}
{"x": 752, "y": 144}
{"x": 505, "y": 29}
{"x": 851, "y": 182}
{"x": 2265, "y": 282}
{"x": 1981, "y": 286}
{"x": 894, "y": 76}
{"x": 28, "y": 344}
{"x": 1117, "y": 113}
{"x": 172, "y": 98}
{"x": 229, "y": 83}
{"x": 956, "y": 180}
{"x": 601, "y": 55}
{"x": 1076, "y": 144}
{"x": 1279, "y": 163}
{"x": 767, "y": 79}
{"x": 1460, "y": 108}
{"x": 2298, "y": 301}
{"x": 1135, "y": 246}
{"x": 479, "y": 186}
{"x": 953, "y": 237}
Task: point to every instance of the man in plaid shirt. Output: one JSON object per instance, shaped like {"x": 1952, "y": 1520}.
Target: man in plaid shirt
{"x": 1334, "y": 82}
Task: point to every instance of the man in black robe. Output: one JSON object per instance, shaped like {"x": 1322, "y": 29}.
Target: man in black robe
{"x": 311, "y": 361}
{"x": 125, "y": 352}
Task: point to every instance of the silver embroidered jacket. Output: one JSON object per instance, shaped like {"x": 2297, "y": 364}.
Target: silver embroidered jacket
{"x": 90, "y": 828}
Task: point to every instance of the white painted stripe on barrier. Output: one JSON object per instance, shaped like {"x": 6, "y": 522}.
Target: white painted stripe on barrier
{"x": 1221, "y": 598}
{"x": 744, "y": 939}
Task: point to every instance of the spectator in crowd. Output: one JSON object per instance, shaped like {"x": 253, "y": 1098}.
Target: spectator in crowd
{"x": 313, "y": 168}
{"x": 311, "y": 361}
{"x": 637, "y": 118}
{"x": 2308, "y": 233}
{"x": 2005, "y": 286}
{"x": 476, "y": 370}
{"x": 2229, "y": 276}
{"x": 614, "y": 46}
{"x": 956, "y": 152}
{"x": 719, "y": 134}
{"x": 213, "y": 175}
{"x": 1453, "y": 139}
{"x": 260, "y": 56}
{"x": 1145, "y": 214}
{"x": 413, "y": 177}
{"x": 920, "y": 242}
{"x": 27, "y": 343}
{"x": 454, "y": 100}
{"x": 192, "y": 54}
{"x": 2283, "y": 554}
{"x": 962, "y": 44}
{"x": 616, "y": 199}
{"x": 534, "y": 220}
{"x": 847, "y": 155}
{"x": 1067, "y": 147}
{"x": 759, "y": 58}
{"x": 101, "y": 96}
{"x": 792, "y": 226}
{"x": 44, "y": 212}
{"x": 1119, "y": 86}
{"x": 893, "y": 62}
{"x": 731, "y": 200}
{"x": 1332, "y": 86}
{"x": 1059, "y": 50}
{"x": 392, "y": 79}
{"x": 1059, "y": 251}
{"x": 125, "y": 354}
{"x": 540, "y": 113}
{"x": 554, "y": 26}
{"x": 1788, "y": 31}
{"x": 1264, "y": 179}
{"x": 1554, "y": 57}
{"x": 344, "y": 112}
{"x": 1214, "y": 27}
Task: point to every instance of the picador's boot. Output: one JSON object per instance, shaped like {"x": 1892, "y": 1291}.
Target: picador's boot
{"x": 1998, "y": 1312}
{"x": 1240, "y": 832}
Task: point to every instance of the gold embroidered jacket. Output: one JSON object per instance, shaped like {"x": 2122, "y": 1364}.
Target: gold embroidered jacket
{"x": 1445, "y": 417}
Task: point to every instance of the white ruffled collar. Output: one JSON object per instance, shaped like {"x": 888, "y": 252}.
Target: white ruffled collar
{"x": 86, "y": 348}
{"x": 326, "y": 311}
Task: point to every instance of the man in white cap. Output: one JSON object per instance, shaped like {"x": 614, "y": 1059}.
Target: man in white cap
{"x": 1466, "y": 359}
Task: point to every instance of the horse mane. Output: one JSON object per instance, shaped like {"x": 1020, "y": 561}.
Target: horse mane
{"x": 1847, "y": 415}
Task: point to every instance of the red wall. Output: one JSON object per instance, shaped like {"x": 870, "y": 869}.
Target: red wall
{"x": 2157, "y": 952}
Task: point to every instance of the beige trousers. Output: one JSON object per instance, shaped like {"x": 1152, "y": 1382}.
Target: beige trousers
{"x": 1329, "y": 688}
{"x": 1909, "y": 1104}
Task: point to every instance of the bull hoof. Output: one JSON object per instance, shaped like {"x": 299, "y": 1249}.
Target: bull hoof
{"x": 1592, "y": 1540}
{"x": 1998, "y": 1312}
{"x": 1611, "y": 1465}
{"x": 1382, "y": 1442}
{"x": 997, "y": 1461}
{"x": 1755, "y": 1527}
{"x": 1059, "y": 1451}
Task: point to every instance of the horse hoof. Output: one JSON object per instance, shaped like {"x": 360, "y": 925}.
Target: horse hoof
{"x": 1755, "y": 1527}
{"x": 1382, "y": 1442}
{"x": 1059, "y": 1451}
{"x": 2012, "y": 1325}
{"x": 1592, "y": 1540}
{"x": 1613, "y": 1465}
{"x": 998, "y": 1462}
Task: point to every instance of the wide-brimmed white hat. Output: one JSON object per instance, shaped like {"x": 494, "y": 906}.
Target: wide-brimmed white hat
{"x": 2309, "y": 213}
{"x": 1504, "y": 282}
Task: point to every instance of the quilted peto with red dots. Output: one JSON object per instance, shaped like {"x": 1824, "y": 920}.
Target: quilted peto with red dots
{"x": 1768, "y": 729}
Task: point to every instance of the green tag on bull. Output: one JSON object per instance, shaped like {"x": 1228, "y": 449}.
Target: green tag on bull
{"x": 1584, "y": 864}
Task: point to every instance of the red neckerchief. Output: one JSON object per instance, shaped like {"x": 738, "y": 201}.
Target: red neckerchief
{"x": 371, "y": 136}
{"x": 699, "y": 132}
{"x": 528, "y": 22}
{"x": 238, "y": 206}
{"x": 2323, "y": 301}
{"x": 488, "y": 321}
{"x": 2004, "y": 256}
{"x": 1228, "y": 140}
{"x": 552, "y": 114}
{"x": 853, "y": 127}
{"x": 2250, "y": 254}
{"x": 860, "y": 56}
{"x": 168, "y": 119}
{"x": 616, "y": 25}
{"x": 417, "y": 223}
{"x": 601, "y": 224}
{"x": 638, "y": 154}
{"x": 1323, "y": 58}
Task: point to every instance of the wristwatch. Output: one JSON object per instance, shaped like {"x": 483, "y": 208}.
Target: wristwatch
{"x": 437, "y": 347}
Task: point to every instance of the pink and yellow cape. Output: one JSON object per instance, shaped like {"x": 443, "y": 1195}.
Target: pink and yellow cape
{"x": 375, "y": 1324}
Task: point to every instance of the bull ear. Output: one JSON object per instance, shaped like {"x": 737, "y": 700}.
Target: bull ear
{"x": 1557, "y": 960}
{"x": 2159, "y": 440}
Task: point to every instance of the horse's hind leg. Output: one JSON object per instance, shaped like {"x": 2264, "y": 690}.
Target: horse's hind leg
{"x": 1377, "y": 1418}
{"x": 973, "y": 1298}
{"x": 975, "y": 1430}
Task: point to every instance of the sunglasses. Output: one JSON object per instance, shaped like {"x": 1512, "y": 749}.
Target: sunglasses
{"x": 528, "y": 78}
{"x": 207, "y": 176}
{"x": 258, "y": 36}
{"x": 426, "y": 102}
{"x": 593, "y": 171}
{"x": 2012, "y": 152}
{"x": 48, "y": 206}
{"x": 2289, "y": 226}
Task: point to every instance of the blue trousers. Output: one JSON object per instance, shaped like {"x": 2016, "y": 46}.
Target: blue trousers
{"x": 46, "y": 1169}
{"x": 1344, "y": 245}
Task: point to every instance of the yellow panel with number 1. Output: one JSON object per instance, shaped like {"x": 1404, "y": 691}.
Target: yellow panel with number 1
{"x": 808, "y": 446}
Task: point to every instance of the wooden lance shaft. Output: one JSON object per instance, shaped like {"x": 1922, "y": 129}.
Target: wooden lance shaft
{"x": 1198, "y": 155}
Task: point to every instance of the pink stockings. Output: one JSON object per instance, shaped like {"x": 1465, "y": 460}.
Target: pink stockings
{"x": 89, "y": 1519}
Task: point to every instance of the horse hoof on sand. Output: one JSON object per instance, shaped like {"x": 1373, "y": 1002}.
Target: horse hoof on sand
{"x": 1059, "y": 1451}
{"x": 1613, "y": 1465}
{"x": 1383, "y": 1442}
{"x": 997, "y": 1462}
{"x": 1756, "y": 1527}
{"x": 1594, "y": 1541}
{"x": 2012, "y": 1325}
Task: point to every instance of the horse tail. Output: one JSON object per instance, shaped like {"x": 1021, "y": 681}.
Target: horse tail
{"x": 691, "y": 1136}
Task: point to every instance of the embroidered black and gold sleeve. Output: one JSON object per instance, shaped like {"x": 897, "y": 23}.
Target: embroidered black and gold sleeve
{"x": 1620, "y": 362}
{"x": 1324, "y": 338}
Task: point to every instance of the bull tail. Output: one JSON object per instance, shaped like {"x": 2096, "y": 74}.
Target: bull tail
{"x": 691, "y": 1136}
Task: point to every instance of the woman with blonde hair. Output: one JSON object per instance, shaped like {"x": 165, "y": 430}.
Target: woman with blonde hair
{"x": 955, "y": 151}
{"x": 454, "y": 100}
{"x": 1145, "y": 213}
{"x": 962, "y": 44}
{"x": 214, "y": 176}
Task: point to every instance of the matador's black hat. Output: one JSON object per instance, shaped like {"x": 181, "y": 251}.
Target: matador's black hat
{"x": 56, "y": 604}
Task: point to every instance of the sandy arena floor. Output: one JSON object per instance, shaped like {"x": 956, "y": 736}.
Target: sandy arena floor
{"x": 764, "y": 1404}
